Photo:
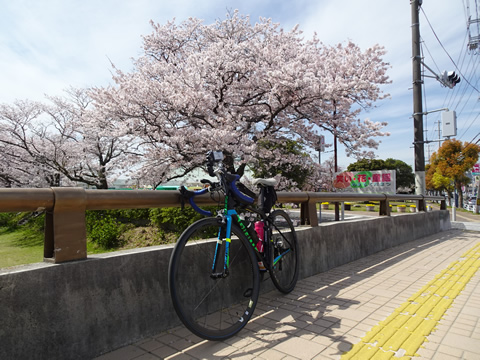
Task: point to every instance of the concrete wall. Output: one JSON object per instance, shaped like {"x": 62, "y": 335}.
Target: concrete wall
{"x": 82, "y": 309}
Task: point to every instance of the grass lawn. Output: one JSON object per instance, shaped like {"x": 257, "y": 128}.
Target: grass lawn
{"x": 20, "y": 247}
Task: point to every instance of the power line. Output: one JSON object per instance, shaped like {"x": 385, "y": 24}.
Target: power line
{"x": 446, "y": 52}
{"x": 462, "y": 62}
{"x": 469, "y": 126}
{"x": 460, "y": 97}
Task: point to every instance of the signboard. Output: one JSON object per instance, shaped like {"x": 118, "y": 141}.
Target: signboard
{"x": 476, "y": 169}
{"x": 366, "y": 182}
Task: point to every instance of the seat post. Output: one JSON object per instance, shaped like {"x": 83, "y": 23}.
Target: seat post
{"x": 261, "y": 198}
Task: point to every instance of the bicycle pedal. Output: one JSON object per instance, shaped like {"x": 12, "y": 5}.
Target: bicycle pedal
{"x": 261, "y": 266}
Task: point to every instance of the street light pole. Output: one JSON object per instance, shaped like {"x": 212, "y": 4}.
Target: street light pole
{"x": 417, "y": 101}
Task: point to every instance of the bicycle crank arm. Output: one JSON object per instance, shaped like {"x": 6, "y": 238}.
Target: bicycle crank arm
{"x": 219, "y": 275}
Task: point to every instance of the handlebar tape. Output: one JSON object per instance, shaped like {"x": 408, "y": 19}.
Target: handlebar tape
{"x": 187, "y": 194}
{"x": 238, "y": 194}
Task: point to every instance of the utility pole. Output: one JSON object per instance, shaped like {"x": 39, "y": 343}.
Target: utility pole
{"x": 417, "y": 101}
{"x": 337, "y": 207}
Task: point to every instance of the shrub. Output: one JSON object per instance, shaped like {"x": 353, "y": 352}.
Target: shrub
{"x": 175, "y": 219}
{"x": 133, "y": 216}
{"x": 103, "y": 229}
{"x": 6, "y": 220}
{"x": 30, "y": 220}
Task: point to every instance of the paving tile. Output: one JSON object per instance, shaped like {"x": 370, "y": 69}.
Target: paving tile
{"x": 150, "y": 344}
{"x": 272, "y": 354}
{"x": 460, "y": 342}
{"x": 299, "y": 348}
{"x": 329, "y": 353}
{"x": 356, "y": 315}
{"x": 125, "y": 353}
{"x": 451, "y": 351}
{"x": 464, "y": 330}
{"x": 210, "y": 349}
{"x": 467, "y": 355}
{"x": 167, "y": 338}
{"x": 147, "y": 356}
{"x": 424, "y": 354}
{"x": 357, "y": 332}
{"x": 181, "y": 356}
{"x": 164, "y": 351}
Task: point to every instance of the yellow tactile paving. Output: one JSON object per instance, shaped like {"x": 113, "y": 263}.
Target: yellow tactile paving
{"x": 401, "y": 334}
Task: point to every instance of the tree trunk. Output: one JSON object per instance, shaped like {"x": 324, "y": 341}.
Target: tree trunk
{"x": 460, "y": 195}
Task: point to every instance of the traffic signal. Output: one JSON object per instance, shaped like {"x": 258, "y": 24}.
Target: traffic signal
{"x": 450, "y": 79}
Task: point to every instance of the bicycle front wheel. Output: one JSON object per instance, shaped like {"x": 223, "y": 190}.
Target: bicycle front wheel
{"x": 284, "y": 258}
{"x": 213, "y": 307}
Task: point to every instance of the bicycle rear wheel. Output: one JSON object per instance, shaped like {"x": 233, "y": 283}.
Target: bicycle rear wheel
{"x": 284, "y": 258}
{"x": 214, "y": 308}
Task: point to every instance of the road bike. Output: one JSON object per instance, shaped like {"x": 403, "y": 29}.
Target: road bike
{"x": 218, "y": 262}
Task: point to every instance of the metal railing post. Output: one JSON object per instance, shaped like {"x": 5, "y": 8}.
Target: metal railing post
{"x": 308, "y": 212}
{"x": 65, "y": 231}
{"x": 384, "y": 207}
{"x": 48, "y": 242}
{"x": 421, "y": 204}
{"x": 443, "y": 204}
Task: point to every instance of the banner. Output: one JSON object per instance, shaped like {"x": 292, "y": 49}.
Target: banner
{"x": 476, "y": 169}
{"x": 366, "y": 182}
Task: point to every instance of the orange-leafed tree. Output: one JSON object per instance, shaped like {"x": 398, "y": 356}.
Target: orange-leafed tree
{"x": 449, "y": 165}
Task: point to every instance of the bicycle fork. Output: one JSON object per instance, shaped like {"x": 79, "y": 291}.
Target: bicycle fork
{"x": 223, "y": 236}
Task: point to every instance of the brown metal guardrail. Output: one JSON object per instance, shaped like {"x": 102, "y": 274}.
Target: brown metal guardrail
{"x": 65, "y": 231}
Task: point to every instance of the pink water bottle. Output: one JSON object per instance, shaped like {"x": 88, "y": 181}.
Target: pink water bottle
{"x": 261, "y": 235}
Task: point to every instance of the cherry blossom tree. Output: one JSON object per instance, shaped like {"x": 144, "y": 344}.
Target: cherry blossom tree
{"x": 17, "y": 167}
{"x": 231, "y": 85}
{"x": 327, "y": 175}
{"x": 62, "y": 142}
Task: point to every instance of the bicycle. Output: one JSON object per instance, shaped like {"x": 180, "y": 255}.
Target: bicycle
{"x": 214, "y": 272}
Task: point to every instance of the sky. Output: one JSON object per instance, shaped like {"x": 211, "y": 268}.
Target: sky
{"x": 47, "y": 46}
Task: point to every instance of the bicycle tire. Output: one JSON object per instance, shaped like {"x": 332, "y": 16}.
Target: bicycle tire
{"x": 284, "y": 252}
{"x": 213, "y": 309}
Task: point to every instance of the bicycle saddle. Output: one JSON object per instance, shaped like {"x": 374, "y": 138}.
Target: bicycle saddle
{"x": 265, "y": 182}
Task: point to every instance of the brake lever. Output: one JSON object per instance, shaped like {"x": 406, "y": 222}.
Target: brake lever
{"x": 206, "y": 181}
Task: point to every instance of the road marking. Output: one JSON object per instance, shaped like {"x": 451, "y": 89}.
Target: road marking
{"x": 406, "y": 329}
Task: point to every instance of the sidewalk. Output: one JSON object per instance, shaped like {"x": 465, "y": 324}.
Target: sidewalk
{"x": 330, "y": 313}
